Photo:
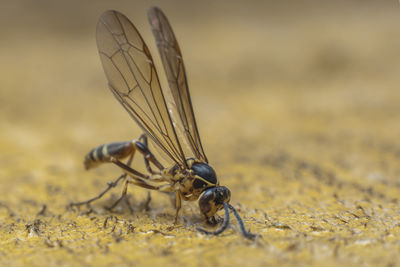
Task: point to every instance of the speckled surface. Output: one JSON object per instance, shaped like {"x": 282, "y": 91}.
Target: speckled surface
{"x": 298, "y": 109}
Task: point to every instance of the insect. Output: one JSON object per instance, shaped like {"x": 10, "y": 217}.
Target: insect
{"x": 166, "y": 117}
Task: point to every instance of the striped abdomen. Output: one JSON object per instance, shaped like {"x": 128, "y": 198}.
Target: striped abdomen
{"x": 103, "y": 153}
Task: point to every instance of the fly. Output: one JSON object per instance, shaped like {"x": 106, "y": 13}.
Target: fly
{"x": 166, "y": 118}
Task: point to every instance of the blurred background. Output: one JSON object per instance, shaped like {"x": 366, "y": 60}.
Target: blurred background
{"x": 324, "y": 61}
{"x": 290, "y": 96}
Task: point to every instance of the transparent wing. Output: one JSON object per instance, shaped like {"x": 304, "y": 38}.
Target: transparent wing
{"x": 133, "y": 80}
{"x": 171, "y": 57}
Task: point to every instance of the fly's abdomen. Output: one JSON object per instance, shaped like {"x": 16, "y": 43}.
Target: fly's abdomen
{"x": 104, "y": 153}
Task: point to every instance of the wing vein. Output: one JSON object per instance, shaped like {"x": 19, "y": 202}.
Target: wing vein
{"x": 133, "y": 80}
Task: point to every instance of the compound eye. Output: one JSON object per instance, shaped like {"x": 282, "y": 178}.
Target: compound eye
{"x": 206, "y": 203}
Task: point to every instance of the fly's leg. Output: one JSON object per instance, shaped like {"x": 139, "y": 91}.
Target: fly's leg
{"x": 123, "y": 195}
{"x": 120, "y": 150}
{"x": 138, "y": 175}
{"x": 133, "y": 174}
{"x": 113, "y": 153}
{"x": 110, "y": 185}
{"x": 142, "y": 180}
{"x": 146, "y": 204}
{"x": 145, "y": 184}
{"x": 128, "y": 203}
{"x": 148, "y": 156}
{"x": 178, "y": 206}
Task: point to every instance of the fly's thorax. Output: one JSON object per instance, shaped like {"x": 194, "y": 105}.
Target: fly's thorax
{"x": 193, "y": 181}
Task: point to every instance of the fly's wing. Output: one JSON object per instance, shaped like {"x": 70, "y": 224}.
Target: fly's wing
{"x": 171, "y": 57}
{"x": 133, "y": 80}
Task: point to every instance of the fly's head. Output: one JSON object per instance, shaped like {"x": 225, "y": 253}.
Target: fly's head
{"x": 213, "y": 200}
{"x": 212, "y": 196}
